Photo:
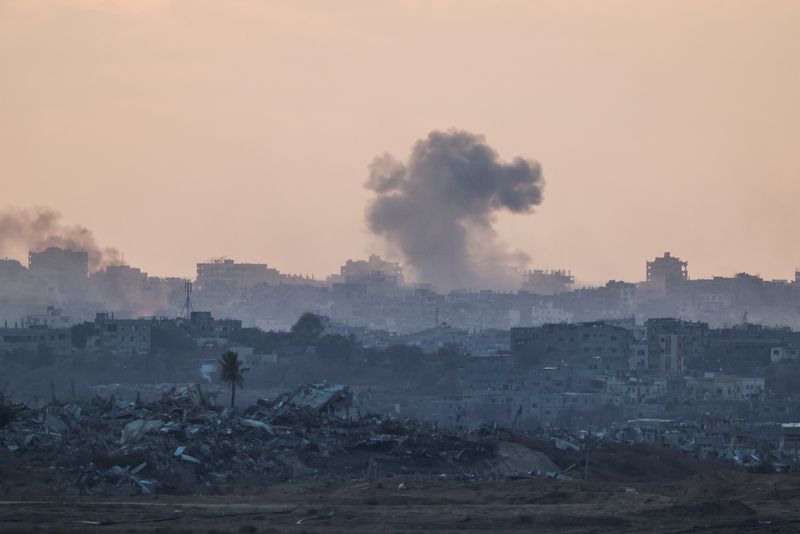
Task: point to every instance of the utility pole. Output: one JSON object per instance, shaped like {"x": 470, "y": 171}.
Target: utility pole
{"x": 519, "y": 412}
{"x": 588, "y": 444}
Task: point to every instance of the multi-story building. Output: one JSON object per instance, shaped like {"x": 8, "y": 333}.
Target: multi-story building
{"x": 489, "y": 371}
{"x": 228, "y": 273}
{"x": 356, "y": 271}
{"x": 57, "y": 341}
{"x": 632, "y": 389}
{"x": 667, "y": 271}
{"x": 783, "y": 354}
{"x": 202, "y": 326}
{"x": 12, "y": 275}
{"x": 59, "y": 271}
{"x": 598, "y": 345}
{"x": 719, "y": 386}
{"x": 741, "y": 349}
{"x": 674, "y": 345}
{"x": 547, "y": 282}
{"x": 53, "y": 317}
{"x": 119, "y": 280}
{"x": 549, "y": 314}
{"x": 120, "y": 336}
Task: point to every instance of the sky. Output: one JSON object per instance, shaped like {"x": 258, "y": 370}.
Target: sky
{"x": 183, "y": 130}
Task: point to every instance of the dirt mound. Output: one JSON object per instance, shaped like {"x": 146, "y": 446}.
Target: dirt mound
{"x": 617, "y": 462}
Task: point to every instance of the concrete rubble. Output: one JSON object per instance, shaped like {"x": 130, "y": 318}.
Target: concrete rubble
{"x": 185, "y": 442}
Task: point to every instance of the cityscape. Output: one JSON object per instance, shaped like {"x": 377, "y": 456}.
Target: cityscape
{"x": 667, "y": 352}
{"x": 399, "y": 266}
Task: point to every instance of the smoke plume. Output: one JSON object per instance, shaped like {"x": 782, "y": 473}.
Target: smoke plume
{"x": 37, "y": 229}
{"x": 437, "y": 209}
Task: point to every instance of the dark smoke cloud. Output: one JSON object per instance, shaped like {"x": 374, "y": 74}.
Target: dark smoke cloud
{"x": 437, "y": 209}
{"x": 38, "y": 229}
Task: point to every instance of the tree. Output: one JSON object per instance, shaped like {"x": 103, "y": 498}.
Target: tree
{"x": 308, "y": 327}
{"x": 232, "y": 372}
{"x": 449, "y": 356}
{"x": 335, "y": 348}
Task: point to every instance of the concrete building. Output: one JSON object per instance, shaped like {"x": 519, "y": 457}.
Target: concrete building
{"x": 53, "y": 317}
{"x": 119, "y": 280}
{"x": 720, "y": 386}
{"x": 223, "y": 275}
{"x": 639, "y": 358}
{"x": 741, "y": 349}
{"x": 549, "y": 314}
{"x": 356, "y": 271}
{"x": 667, "y": 271}
{"x": 58, "y": 341}
{"x": 485, "y": 372}
{"x": 599, "y": 346}
{"x": 547, "y": 282}
{"x": 12, "y": 275}
{"x": 120, "y": 336}
{"x": 210, "y": 331}
{"x": 674, "y": 345}
{"x": 782, "y": 354}
{"x": 228, "y": 273}
{"x": 59, "y": 271}
{"x": 637, "y": 389}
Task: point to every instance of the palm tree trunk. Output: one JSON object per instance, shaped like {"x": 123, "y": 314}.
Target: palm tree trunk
{"x": 233, "y": 395}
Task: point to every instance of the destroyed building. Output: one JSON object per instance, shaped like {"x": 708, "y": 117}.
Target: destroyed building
{"x": 547, "y": 282}
{"x": 667, "y": 271}
{"x": 674, "y": 345}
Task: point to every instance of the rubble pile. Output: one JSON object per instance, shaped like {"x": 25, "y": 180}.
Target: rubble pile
{"x": 186, "y": 443}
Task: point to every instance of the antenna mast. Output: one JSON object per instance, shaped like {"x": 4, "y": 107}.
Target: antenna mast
{"x": 187, "y": 309}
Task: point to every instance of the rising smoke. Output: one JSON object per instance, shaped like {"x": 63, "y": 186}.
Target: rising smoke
{"x": 437, "y": 209}
{"x": 40, "y": 228}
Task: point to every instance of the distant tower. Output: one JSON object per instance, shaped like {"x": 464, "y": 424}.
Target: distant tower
{"x": 667, "y": 271}
{"x": 187, "y": 309}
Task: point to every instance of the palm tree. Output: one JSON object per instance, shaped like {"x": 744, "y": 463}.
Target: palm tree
{"x": 231, "y": 371}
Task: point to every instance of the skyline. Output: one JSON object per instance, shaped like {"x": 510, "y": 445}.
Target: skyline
{"x": 102, "y": 257}
{"x": 172, "y": 128}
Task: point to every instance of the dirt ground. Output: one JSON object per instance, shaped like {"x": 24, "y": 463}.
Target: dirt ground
{"x": 710, "y": 502}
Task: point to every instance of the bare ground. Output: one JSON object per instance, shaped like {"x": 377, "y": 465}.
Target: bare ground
{"x": 727, "y": 502}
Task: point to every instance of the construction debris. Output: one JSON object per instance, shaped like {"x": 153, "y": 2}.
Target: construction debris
{"x": 184, "y": 442}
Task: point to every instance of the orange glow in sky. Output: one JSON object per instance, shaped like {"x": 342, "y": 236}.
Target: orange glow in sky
{"x": 179, "y": 130}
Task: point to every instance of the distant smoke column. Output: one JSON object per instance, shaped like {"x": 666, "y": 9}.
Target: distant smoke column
{"x": 38, "y": 229}
{"x": 437, "y": 209}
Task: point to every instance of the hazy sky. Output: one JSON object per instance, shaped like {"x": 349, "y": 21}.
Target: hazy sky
{"x": 188, "y": 129}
